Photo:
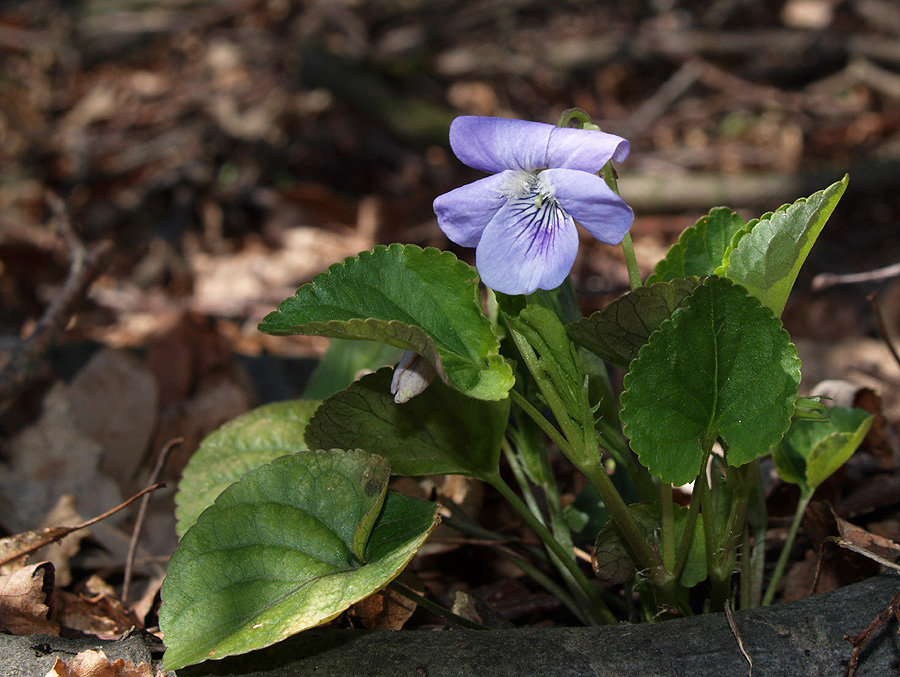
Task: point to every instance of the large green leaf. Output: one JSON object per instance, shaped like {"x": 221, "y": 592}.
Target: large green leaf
{"x": 422, "y": 300}
{"x": 812, "y": 450}
{"x": 288, "y": 547}
{"x": 242, "y": 444}
{"x": 617, "y": 332}
{"x": 722, "y": 366}
{"x": 767, "y": 259}
{"x": 439, "y": 431}
{"x": 701, "y": 248}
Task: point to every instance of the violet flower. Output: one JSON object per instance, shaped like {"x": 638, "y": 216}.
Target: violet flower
{"x": 521, "y": 220}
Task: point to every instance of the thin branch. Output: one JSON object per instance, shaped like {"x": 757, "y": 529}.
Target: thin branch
{"x": 737, "y": 635}
{"x": 85, "y": 265}
{"x": 53, "y": 534}
{"x": 882, "y": 327}
{"x": 142, "y": 513}
{"x": 826, "y": 280}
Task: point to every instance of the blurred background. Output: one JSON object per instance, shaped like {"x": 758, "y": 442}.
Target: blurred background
{"x": 231, "y": 150}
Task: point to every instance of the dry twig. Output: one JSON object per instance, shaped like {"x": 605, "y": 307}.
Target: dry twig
{"x": 142, "y": 513}
{"x": 85, "y": 265}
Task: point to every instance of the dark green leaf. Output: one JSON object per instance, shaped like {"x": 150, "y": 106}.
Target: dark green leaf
{"x": 288, "y": 547}
{"x": 722, "y": 366}
{"x": 813, "y": 449}
{"x": 617, "y": 332}
{"x": 245, "y": 443}
{"x": 767, "y": 259}
{"x": 422, "y": 300}
{"x": 701, "y": 248}
{"x": 439, "y": 431}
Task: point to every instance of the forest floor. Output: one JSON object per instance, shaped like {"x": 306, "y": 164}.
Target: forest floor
{"x": 171, "y": 171}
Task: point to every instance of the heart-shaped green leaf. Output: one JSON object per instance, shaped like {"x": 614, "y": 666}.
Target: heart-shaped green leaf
{"x": 812, "y": 450}
{"x": 722, "y": 366}
{"x": 701, "y": 248}
{"x": 767, "y": 259}
{"x": 242, "y": 444}
{"x": 440, "y": 431}
{"x": 286, "y": 548}
{"x": 422, "y": 300}
{"x": 617, "y": 332}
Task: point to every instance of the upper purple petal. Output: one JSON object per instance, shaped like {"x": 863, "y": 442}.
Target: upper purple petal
{"x": 464, "y": 212}
{"x": 495, "y": 144}
{"x": 525, "y": 248}
{"x": 592, "y": 203}
{"x": 584, "y": 149}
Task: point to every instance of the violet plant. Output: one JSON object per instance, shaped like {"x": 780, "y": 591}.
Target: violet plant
{"x": 285, "y": 516}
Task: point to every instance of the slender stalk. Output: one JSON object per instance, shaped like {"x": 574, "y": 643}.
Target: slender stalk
{"x": 805, "y": 497}
{"x": 540, "y": 419}
{"x": 667, "y": 523}
{"x": 521, "y": 480}
{"x": 758, "y": 520}
{"x": 600, "y": 612}
{"x": 525, "y": 488}
{"x": 688, "y": 536}
{"x": 634, "y": 274}
{"x": 435, "y": 608}
{"x": 720, "y": 585}
{"x": 737, "y": 517}
{"x": 638, "y": 546}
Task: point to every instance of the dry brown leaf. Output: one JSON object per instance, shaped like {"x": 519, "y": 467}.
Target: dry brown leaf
{"x": 14, "y": 550}
{"x": 837, "y": 566}
{"x": 866, "y": 540}
{"x": 144, "y": 605}
{"x": 92, "y": 663}
{"x": 50, "y": 458}
{"x": 25, "y": 597}
{"x": 386, "y": 609}
{"x": 60, "y": 552}
{"x": 96, "y": 610}
{"x": 113, "y": 399}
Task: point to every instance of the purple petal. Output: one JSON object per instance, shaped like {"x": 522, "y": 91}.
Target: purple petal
{"x": 464, "y": 212}
{"x": 526, "y": 247}
{"x": 589, "y": 201}
{"x": 584, "y": 149}
{"x": 495, "y": 144}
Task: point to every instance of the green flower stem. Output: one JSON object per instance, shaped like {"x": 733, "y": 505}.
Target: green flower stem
{"x": 634, "y": 274}
{"x": 582, "y": 450}
{"x": 737, "y": 517}
{"x": 754, "y": 569}
{"x": 638, "y": 546}
{"x": 688, "y": 536}
{"x": 721, "y": 587}
{"x": 564, "y": 539}
{"x": 538, "y": 418}
{"x": 600, "y": 612}
{"x": 612, "y": 439}
{"x": 521, "y": 480}
{"x": 550, "y": 393}
{"x": 806, "y": 495}
{"x": 426, "y": 603}
{"x": 667, "y": 522}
